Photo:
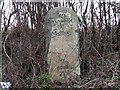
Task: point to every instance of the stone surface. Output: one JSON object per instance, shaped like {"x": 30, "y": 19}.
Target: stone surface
{"x": 62, "y": 26}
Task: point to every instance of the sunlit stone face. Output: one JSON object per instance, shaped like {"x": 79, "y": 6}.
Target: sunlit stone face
{"x": 62, "y": 24}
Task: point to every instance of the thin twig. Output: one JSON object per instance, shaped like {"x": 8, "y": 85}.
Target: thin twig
{"x": 88, "y": 82}
{"x": 5, "y": 49}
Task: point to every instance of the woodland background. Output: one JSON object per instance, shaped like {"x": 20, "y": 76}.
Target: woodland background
{"x": 24, "y": 55}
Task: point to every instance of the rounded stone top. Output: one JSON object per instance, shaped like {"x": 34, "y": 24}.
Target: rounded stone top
{"x": 57, "y": 11}
{"x": 61, "y": 16}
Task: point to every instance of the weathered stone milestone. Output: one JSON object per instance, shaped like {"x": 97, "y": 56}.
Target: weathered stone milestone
{"x": 62, "y": 26}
